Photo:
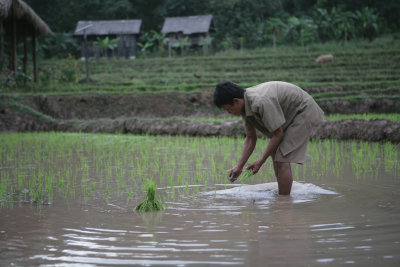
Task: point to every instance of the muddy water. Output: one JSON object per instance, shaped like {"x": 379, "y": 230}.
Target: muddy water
{"x": 328, "y": 219}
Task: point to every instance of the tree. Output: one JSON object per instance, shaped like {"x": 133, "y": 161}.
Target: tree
{"x": 233, "y": 19}
{"x": 58, "y": 45}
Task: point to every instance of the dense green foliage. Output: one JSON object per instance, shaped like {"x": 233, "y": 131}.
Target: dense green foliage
{"x": 249, "y": 23}
{"x": 62, "y": 15}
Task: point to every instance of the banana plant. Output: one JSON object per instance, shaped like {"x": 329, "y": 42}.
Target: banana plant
{"x": 106, "y": 43}
{"x": 366, "y": 23}
{"x": 336, "y": 24}
{"x": 302, "y": 29}
{"x": 275, "y": 26}
{"x": 159, "y": 39}
{"x": 145, "y": 47}
{"x": 184, "y": 42}
{"x": 345, "y": 25}
{"x": 205, "y": 43}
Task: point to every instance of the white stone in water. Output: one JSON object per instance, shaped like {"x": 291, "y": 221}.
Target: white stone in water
{"x": 300, "y": 191}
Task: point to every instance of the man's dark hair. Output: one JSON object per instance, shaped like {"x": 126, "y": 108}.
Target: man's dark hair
{"x": 225, "y": 92}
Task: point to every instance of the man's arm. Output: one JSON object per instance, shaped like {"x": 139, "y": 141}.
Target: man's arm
{"x": 271, "y": 147}
{"x": 248, "y": 148}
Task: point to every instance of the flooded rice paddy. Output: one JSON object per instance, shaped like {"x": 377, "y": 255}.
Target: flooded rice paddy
{"x": 69, "y": 199}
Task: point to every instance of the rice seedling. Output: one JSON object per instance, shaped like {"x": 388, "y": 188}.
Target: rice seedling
{"x": 247, "y": 175}
{"x": 150, "y": 203}
{"x": 37, "y": 167}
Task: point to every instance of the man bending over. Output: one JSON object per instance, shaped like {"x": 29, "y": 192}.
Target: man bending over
{"x": 283, "y": 112}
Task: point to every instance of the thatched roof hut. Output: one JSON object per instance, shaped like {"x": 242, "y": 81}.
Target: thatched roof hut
{"x": 20, "y": 21}
{"x": 196, "y": 28}
{"x": 27, "y": 19}
{"x": 126, "y": 30}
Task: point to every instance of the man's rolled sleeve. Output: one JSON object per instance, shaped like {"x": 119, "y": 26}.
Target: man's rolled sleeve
{"x": 247, "y": 126}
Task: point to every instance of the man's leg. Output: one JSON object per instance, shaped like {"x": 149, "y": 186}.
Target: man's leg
{"x": 284, "y": 177}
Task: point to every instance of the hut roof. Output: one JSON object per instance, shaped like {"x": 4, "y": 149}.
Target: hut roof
{"x": 106, "y": 27}
{"x": 23, "y": 13}
{"x": 187, "y": 25}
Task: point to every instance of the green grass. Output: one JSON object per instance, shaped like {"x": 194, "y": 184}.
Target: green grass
{"x": 395, "y": 117}
{"x": 356, "y": 64}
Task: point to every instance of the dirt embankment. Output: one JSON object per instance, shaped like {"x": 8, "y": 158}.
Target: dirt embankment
{"x": 156, "y": 114}
{"x": 383, "y": 105}
{"x": 375, "y": 130}
{"x": 89, "y": 107}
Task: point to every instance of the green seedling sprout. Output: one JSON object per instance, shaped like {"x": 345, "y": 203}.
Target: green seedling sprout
{"x": 150, "y": 203}
{"x": 246, "y": 176}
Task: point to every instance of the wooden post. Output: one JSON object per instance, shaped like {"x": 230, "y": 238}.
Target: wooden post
{"x": 25, "y": 59}
{"x": 14, "y": 46}
{"x": 85, "y": 52}
{"x": 35, "y": 71}
{"x": 86, "y": 56}
{"x": 1, "y": 40}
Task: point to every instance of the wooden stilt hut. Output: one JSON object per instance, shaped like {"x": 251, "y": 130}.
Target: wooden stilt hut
{"x": 196, "y": 30}
{"x": 126, "y": 30}
{"x": 18, "y": 21}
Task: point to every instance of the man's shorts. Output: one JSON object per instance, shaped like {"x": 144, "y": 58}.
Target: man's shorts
{"x": 296, "y": 156}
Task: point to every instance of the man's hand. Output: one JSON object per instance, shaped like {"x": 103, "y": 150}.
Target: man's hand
{"x": 255, "y": 166}
{"x": 271, "y": 148}
{"x": 234, "y": 174}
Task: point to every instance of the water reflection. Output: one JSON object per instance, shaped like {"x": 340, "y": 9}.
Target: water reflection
{"x": 91, "y": 222}
{"x": 281, "y": 231}
{"x": 277, "y": 237}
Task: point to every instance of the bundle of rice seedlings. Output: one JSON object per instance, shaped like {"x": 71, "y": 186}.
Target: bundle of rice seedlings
{"x": 150, "y": 203}
{"x": 246, "y": 176}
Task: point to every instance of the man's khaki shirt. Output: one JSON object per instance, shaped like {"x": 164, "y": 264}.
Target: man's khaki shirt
{"x": 271, "y": 105}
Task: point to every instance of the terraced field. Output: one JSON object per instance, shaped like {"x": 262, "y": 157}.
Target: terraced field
{"x": 363, "y": 79}
{"x": 369, "y": 70}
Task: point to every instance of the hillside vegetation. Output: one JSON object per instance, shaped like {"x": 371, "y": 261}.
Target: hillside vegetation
{"x": 372, "y": 68}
